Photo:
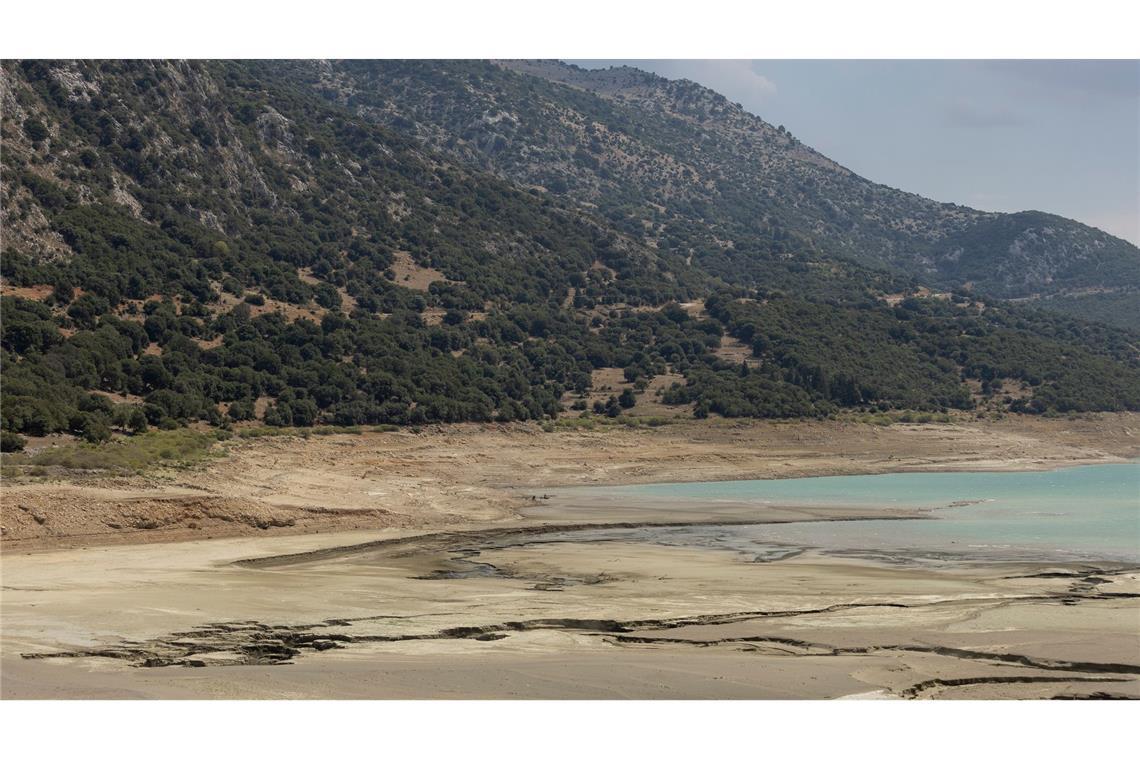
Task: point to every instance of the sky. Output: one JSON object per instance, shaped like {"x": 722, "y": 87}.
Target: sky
{"x": 1011, "y": 135}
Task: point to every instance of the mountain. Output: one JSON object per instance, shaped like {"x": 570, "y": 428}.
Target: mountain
{"x": 300, "y": 243}
{"x": 687, "y": 170}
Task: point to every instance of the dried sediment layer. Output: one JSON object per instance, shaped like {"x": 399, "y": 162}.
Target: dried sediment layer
{"x": 254, "y": 643}
{"x": 906, "y": 644}
{"x": 68, "y": 516}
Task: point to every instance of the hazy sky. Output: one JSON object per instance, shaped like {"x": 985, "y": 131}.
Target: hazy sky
{"x": 1056, "y": 136}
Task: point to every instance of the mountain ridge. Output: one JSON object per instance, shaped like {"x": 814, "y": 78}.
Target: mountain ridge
{"x": 876, "y": 224}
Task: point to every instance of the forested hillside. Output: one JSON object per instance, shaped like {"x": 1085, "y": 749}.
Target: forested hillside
{"x": 296, "y": 244}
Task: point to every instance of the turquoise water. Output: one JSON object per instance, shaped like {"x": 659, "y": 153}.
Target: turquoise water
{"x": 1076, "y": 513}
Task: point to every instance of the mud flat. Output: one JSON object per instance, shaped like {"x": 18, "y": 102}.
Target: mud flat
{"x": 474, "y": 586}
{"x": 540, "y": 612}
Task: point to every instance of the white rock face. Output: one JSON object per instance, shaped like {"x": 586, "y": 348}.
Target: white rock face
{"x": 275, "y": 130}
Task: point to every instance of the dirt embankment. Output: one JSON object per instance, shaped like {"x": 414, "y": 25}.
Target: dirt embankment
{"x": 477, "y": 473}
{"x": 61, "y": 516}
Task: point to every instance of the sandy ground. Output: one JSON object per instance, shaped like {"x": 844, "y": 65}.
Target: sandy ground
{"x": 468, "y": 473}
{"x": 629, "y": 620}
{"x": 452, "y": 588}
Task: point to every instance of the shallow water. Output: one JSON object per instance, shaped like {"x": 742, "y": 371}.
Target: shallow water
{"x": 1077, "y": 513}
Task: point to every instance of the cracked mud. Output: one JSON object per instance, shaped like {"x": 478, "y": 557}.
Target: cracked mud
{"x": 475, "y": 556}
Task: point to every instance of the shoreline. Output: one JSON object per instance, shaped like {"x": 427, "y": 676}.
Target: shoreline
{"x": 111, "y": 538}
{"x": 487, "y": 473}
{"x": 459, "y": 537}
{"x": 998, "y": 467}
{"x": 1051, "y": 467}
{"x": 494, "y": 603}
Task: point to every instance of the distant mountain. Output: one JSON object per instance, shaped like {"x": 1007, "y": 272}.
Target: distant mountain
{"x": 300, "y": 243}
{"x": 686, "y": 170}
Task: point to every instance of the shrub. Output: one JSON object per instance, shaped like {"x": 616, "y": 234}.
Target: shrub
{"x": 35, "y": 130}
{"x": 11, "y": 442}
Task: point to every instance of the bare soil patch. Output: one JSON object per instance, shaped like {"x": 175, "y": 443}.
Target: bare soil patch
{"x": 409, "y": 274}
{"x": 31, "y": 292}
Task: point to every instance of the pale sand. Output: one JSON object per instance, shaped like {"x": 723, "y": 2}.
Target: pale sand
{"x": 694, "y": 624}
{"x": 617, "y": 620}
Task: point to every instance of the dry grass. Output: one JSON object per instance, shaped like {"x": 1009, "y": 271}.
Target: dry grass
{"x": 732, "y": 350}
{"x": 32, "y": 292}
{"x": 411, "y": 275}
{"x": 123, "y": 454}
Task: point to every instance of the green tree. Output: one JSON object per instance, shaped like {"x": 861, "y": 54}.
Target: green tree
{"x": 11, "y": 442}
{"x": 35, "y": 129}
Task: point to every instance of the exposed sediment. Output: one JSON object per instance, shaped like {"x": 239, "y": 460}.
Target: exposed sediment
{"x": 445, "y": 600}
{"x": 255, "y": 643}
{"x": 468, "y": 539}
{"x": 944, "y": 683}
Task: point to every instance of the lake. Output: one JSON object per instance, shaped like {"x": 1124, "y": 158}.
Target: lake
{"x": 1070, "y": 514}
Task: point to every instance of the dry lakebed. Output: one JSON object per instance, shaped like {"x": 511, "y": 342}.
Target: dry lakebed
{"x": 966, "y": 560}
